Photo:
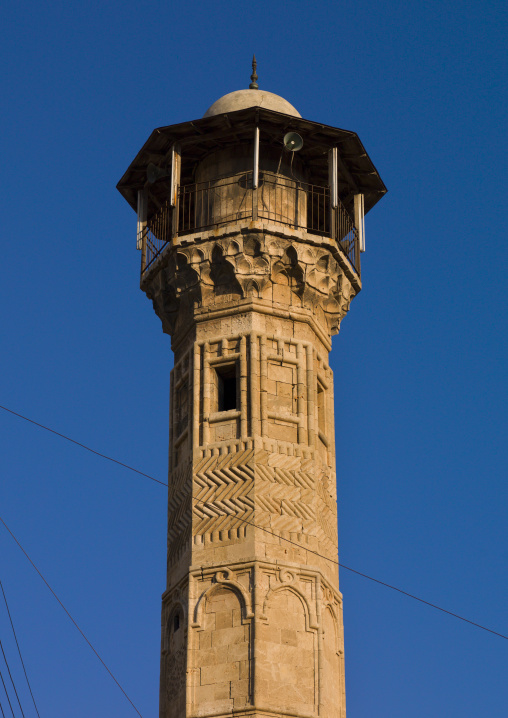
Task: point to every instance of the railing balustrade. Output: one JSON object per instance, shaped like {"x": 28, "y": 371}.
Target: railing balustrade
{"x": 159, "y": 230}
{"x": 346, "y": 235}
{"x": 229, "y": 199}
{"x": 214, "y": 202}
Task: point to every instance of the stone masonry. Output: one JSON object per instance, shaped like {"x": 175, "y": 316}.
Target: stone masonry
{"x": 252, "y": 614}
{"x": 250, "y": 223}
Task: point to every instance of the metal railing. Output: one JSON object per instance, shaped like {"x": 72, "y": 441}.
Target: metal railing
{"x": 346, "y": 235}
{"x": 159, "y": 230}
{"x": 229, "y": 199}
{"x": 214, "y": 202}
{"x": 295, "y": 203}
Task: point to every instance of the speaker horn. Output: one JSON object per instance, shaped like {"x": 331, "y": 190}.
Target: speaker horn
{"x": 293, "y": 142}
{"x": 153, "y": 173}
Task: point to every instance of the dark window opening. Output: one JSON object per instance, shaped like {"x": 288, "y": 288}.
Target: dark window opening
{"x": 176, "y": 622}
{"x": 226, "y": 387}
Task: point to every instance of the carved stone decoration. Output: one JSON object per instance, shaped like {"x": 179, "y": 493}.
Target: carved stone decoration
{"x": 250, "y": 238}
{"x": 179, "y": 512}
{"x": 223, "y": 492}
{"x": 216, "y": 272}
{"x": 252, "y": 484}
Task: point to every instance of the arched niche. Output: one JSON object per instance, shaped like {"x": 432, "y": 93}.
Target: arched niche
{"x": 288, "y": 639}
{"x": 222, "y": 628}
{"x": 174, "y": 661}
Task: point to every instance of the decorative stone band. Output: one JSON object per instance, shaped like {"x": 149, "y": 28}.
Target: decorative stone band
{"x": 264, "y": 638}
{"x": 275, "y": 271}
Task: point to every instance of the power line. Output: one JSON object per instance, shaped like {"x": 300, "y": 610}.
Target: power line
{"x": 262, "y": 528}
{"x": 12, "y": 679}
{"x": 69, "y": 615}
{"x": 19, "y": 649}
{"x": 5, "y": 689}
{"x": 73, "y": 441}
{"x": 364, "y": 575}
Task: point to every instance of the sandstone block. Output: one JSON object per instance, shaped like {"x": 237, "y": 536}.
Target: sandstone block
{"x": 220, "y": 673}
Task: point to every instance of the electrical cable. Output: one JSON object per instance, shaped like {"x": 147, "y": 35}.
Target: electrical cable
{"x": 364, "y": 575}
{"x": 19, "y": 649}
{"x": 204, "y": 503}
{"x": 12, "y": 679}
{"x": 5, "y": 689}
{"x": 2, "y": 709}
{"x": 73, "y": 441}
{"x": 69, "y": 615}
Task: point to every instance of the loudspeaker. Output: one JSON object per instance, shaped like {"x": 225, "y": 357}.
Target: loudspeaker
{"x": 293, "y": 142}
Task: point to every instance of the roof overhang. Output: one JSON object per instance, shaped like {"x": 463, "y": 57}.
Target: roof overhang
{"x": 197, "y": 138}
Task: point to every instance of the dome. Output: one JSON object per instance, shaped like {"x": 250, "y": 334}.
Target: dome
{"x": 241, "y": 99}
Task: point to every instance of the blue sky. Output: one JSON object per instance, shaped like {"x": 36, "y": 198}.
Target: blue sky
{"x": 420, "y": 362}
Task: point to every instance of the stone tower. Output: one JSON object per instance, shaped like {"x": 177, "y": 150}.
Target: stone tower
{"x": 250, "y": 251}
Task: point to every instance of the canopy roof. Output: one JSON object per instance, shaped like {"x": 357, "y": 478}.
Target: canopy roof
{"x": 198, "y": 138}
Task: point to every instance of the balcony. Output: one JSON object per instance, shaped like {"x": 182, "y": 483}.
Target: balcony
{"x": 277, "y": 199}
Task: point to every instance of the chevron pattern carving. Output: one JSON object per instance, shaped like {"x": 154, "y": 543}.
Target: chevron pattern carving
{"x": 327, "y": 513}
{"x": 179, "y": 511}
{"x": 292, "y": 494}
{"x": 223, "y": 487}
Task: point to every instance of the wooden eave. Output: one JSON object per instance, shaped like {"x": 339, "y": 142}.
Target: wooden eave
{"x": 198, "y": 138}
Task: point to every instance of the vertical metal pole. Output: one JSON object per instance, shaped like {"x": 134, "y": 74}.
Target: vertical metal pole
{"x": 142, "y": 228}
{"x": 255, "y": 175}
{"x": 360, "y": 220}
{"x": 176, "y": 162}
{"x": 360, "y": 228}
{"x": 334, "y": 193}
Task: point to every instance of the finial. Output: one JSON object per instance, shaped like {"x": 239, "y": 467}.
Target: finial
{"x": 254, "y": 85}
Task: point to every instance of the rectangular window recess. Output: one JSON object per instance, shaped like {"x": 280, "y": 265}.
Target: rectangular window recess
{"x": 226, "y": 387}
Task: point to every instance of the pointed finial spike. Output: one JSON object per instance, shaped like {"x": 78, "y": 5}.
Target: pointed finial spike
{"x": 254, "y": 85}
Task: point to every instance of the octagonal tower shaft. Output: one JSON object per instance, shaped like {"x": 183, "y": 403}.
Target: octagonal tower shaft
{"x": 251, "y": 270}
{"x": 252, "y": 614}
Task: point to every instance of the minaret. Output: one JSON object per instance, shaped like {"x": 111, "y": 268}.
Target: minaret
{"x": 250, "y": 226}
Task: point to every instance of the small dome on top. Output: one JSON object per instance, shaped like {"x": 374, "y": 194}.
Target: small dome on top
{"x": 241, "y": 99}
{"x": 253, "y": 97}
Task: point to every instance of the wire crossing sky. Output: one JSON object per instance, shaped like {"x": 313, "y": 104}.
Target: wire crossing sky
{"x": 250, "y": 523}
{"x": 419, "y": 364}
{"x": 69, "y": 615}
{"x": 19, "y": 649}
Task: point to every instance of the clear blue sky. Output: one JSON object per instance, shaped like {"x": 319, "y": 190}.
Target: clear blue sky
{"x": 420, "y": 362}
